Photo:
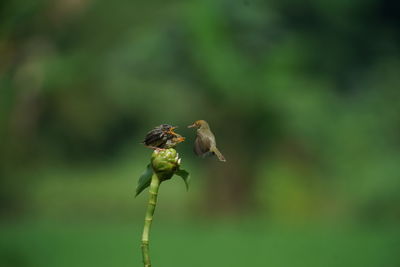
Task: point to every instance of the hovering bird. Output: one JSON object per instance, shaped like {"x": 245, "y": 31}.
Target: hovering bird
{"x": 162, "y": 136}
{"x": 205, "y": 140}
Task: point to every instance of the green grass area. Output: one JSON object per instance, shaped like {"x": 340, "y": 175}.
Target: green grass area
{"x": 196, "y": 245}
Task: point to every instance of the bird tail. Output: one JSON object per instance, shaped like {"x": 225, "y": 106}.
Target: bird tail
{"x": 218, "y": 154}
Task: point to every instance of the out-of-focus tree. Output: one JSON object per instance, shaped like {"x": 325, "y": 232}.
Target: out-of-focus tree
{"x": 303, "y": 97}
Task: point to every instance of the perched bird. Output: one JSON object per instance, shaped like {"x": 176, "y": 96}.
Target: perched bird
{"x": 205, "y": 140}
{"x": 162, "y": 136}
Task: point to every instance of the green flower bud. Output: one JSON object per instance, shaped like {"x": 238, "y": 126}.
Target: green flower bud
{"x": 165, "y": 162}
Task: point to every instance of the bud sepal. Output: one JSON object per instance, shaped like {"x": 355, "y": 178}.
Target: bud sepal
{"x": 164, "y": 163}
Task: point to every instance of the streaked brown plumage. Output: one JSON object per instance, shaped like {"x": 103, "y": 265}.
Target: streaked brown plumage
{"x": 205, "y": 143}
{"x": 162, "y": 136}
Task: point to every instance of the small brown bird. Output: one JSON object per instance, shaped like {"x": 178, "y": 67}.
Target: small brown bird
{"x": 162, "y": 136}
{"x": 205, "y": 140}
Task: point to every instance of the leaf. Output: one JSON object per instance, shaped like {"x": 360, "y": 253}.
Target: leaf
{"x": 185, "y": 176}
{"x": 144, "y": 180}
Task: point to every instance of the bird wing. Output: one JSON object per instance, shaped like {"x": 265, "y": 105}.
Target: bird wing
{"x": 201, "y": 146}
{"x": 151, "y": 138}
{"x": 155, "y": 138}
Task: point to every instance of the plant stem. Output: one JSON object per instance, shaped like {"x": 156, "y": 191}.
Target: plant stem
{"x": 153, "y": 191}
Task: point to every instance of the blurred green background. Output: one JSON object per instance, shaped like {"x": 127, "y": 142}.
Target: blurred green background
{"x": 303, "y": 97}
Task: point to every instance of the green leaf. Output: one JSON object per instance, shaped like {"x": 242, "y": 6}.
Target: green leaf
{"x": 144, "y": 180}
{"x": 185, "y": 176}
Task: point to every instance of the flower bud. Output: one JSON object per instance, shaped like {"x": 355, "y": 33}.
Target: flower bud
{"x": 165, "y": 162}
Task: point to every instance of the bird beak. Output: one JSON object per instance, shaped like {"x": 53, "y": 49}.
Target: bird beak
{"x": 192, "y": 126}
{"x": 171, "y": 131}
{"x": 180, "y": 139}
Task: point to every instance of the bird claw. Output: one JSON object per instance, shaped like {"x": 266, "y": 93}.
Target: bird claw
{"x": 155, "y": 148}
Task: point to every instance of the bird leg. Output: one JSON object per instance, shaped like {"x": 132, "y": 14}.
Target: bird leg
{"x": 155, "y": 148}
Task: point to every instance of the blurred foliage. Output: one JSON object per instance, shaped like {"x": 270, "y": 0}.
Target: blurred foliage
{"x": 303, "y": 98}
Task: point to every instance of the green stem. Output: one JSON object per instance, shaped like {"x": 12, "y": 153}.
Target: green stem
{"x": 153, "y": 191}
